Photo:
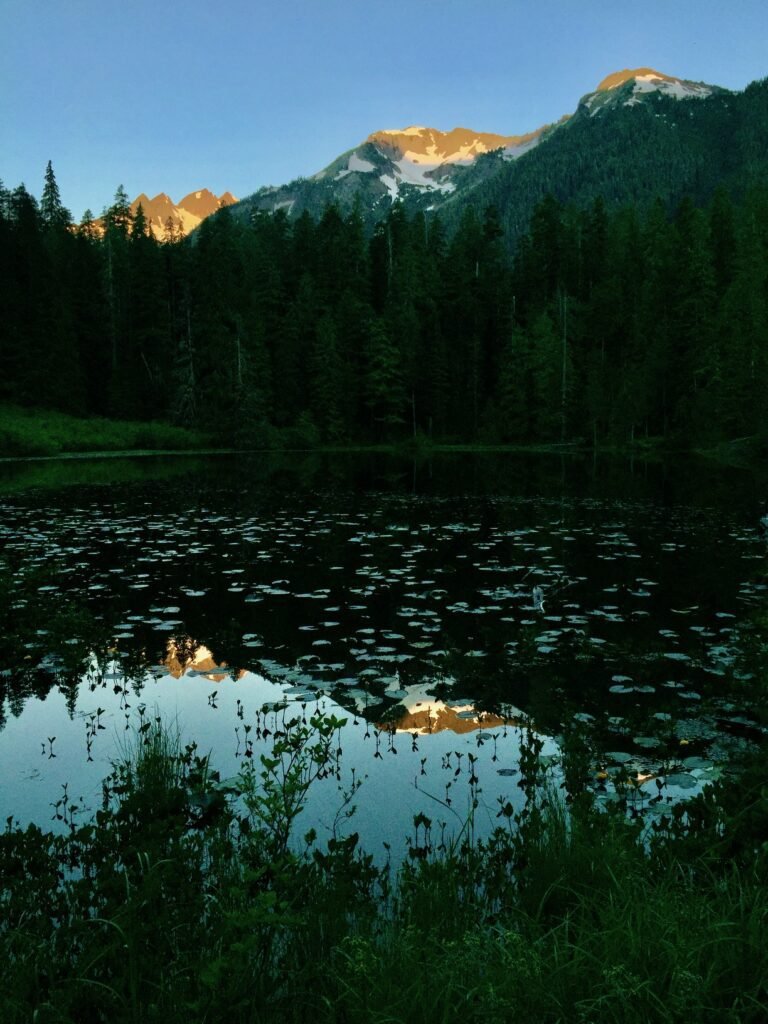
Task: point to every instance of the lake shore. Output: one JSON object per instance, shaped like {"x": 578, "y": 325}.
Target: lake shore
{"x": 35, "y": 433}
{"x": 172, "y": 894}
{"x": 175, "y": 904}
{"x": 43, "y": 435}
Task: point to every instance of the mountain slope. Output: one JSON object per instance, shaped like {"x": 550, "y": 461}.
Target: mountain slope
{"x": 631, "y": 143}
{"x": 628, "y": 87}
{"x": 417, "y": 165}
{"x": 636, "y": 135}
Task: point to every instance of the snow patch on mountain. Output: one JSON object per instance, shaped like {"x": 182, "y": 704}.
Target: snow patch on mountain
{"x": 391, "y": 185}
{"x": 357, "y": 163}
{"x": 414, "y": 129}
{"x": 414, "y": 173}
{"x": 434, "y": 148}
{"x": 679, "y": 89}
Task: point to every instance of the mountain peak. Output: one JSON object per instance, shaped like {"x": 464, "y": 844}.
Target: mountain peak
{"x": 618, "y": 78}
{"x": 628, "y": 86}
{"x": 431, "y": 147}
{"x": 202, "y": 202}
{"x": 428, "y": 167}
{"x": 395, "y": 161}
{"x": 183, "y": 216}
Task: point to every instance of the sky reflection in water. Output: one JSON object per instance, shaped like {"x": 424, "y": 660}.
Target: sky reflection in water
{"x": 383, "y": 603}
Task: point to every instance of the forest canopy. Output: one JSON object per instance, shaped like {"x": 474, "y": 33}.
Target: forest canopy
{"x": 606, "y": 324}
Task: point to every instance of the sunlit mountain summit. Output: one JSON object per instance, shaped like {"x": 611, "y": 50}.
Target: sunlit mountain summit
{"x": 631, "y": 86}
{"x": 165, "y": 217}
{"x": 426, "y": 168}
{"x": 169, "y": 221}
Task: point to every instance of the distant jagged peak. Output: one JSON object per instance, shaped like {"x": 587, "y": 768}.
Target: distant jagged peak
{"x": 165, "y": 218}
{"x": 147, "y": 204}
{"x": 202, "y": 202}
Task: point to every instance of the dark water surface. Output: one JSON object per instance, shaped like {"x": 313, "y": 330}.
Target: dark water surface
{"x": 437, "y": 606}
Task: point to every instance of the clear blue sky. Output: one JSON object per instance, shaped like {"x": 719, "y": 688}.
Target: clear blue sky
{"x": 171, "y": 97}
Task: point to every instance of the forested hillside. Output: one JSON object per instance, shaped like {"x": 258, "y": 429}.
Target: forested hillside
{"x": 630, "y": 142}
{"x": 632, "y": 150}
{"x": 607, "y": 324}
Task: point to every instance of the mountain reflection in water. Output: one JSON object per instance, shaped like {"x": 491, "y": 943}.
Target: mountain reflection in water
{"x": 399, "y": 597}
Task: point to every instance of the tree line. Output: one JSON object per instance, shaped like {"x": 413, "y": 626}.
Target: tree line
{"x": 605, "y": 325}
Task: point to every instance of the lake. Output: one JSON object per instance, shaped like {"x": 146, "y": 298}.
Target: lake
{"x": 440, "y": 607}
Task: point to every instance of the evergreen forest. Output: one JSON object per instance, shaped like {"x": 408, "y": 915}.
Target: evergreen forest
{"x": 606, "y": 324}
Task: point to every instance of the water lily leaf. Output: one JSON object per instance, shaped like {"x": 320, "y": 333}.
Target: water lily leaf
{"x": 681, "y": 780}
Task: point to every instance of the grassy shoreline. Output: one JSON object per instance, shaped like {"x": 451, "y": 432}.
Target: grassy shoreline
{"x": 126, "y": 453}
{"x": 42, "y": 435}
{"x": 177, "y": 904}
{"x": 35, "y": 433}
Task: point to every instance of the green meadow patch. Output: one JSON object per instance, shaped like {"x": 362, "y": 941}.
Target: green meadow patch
{"x": 37, "y": 432}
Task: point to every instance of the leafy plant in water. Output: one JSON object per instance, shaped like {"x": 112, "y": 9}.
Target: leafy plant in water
{"x": 275, "y": 790}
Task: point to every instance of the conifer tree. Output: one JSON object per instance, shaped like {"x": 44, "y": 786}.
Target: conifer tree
{"x": 326, "y": 382}
{"x": 139, "y": 226}
{"x": 656, "y": 317}
{"x": 52, "y": 212}
{"x": 87, "y": 227}
{"x": 292, "y": 352}
{"x": 383, "y": 386}
{"x": 117, "y": 223}
{"x": 118, "y": 215}
{"x": 546, "y": 378}
{"x": 514, "y": 397}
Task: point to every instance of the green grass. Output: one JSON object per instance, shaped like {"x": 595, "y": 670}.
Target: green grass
{"x": 182, "y": 903}
{"x": 20, "y": 474}
{"x": 45, "y": 433}
{"x": 36, "y": 432}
